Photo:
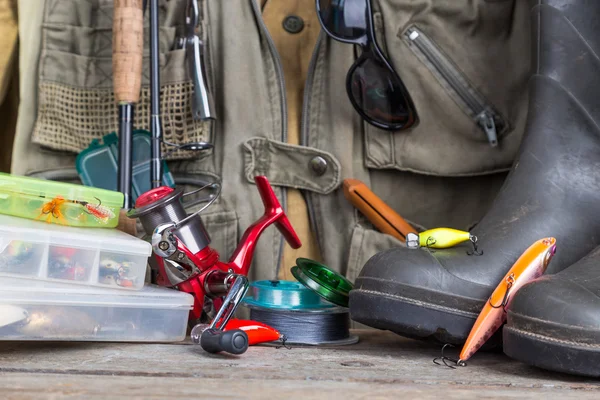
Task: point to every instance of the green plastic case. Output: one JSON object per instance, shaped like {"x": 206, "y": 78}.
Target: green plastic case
{"x": 58, "y": 202}
{"x": 97, "y": 165}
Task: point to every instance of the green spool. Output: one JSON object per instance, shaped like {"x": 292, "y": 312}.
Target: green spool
{"x": 328, "y": 284}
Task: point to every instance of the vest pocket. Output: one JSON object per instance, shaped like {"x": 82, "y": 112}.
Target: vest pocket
{"x": 365, "y": 243}
{"x": 76, "y": 101}
{"x": 466, "y": 96}
{"x": 466, "y": 66}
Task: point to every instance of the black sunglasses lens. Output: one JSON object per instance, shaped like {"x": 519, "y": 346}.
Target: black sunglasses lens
{"x": 380, "y": 95}
{"x": 345, "y": 19}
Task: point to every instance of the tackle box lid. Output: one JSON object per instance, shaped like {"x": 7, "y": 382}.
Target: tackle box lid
{"x": 104, "y": 239}
{"x": 97, "y": 165}
{"x": 18, "y": 291}
{"x": 52, "y": 189}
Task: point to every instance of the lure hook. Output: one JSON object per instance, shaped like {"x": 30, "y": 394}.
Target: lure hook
{"x": 510, "y": 280}
{"x": 475, "y": 251}
{"x": 445, "y": 360}
{"x": 86, "y": 203}
{"x": 283, "y": 340}
{"x": 429, "y": 244}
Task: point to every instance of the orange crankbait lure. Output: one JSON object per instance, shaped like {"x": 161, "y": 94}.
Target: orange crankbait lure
{"x": 257, "y": 331}
{"x": 531, "y": 265}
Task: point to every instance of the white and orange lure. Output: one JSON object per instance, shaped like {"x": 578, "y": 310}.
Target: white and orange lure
{"x": 531, "y": 265}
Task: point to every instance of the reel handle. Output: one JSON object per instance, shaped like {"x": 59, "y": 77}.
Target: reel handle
{"x": 216, "y": 341}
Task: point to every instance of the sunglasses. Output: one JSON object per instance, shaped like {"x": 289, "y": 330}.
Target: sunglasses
{"x": 374, "y": 88}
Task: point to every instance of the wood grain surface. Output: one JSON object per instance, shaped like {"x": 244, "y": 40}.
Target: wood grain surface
{"x": 382, "y": 365}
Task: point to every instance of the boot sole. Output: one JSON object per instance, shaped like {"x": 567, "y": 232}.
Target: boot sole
{"x": 410, "y": 318}
{"x": 552, "y": 354}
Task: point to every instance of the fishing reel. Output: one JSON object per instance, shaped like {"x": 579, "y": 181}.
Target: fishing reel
{"x": 186, "y": 261}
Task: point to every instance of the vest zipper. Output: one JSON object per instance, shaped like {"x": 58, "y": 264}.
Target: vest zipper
{"x": 283, "y": 104}
{"x": 482, "y": 112}
{"x": 304, "y": 128}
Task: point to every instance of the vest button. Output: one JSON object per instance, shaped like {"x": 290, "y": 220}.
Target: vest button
{"x": 318, "y": 165}
{"x": 293, "y": 24}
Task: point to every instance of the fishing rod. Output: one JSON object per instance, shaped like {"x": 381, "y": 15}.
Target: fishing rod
{"x": 128, "y": 44}
{"x": 155, "y": 120}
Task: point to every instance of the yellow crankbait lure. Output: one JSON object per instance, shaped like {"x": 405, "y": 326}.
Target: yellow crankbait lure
{"x": 438, "y": 238}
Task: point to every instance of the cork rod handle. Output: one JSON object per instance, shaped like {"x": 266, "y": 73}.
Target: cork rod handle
{"x": 128, "y": 47}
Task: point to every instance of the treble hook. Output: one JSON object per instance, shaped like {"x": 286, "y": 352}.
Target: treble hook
{"x": 510, "y": 280}
{"x": 457, "y": 362}
{"x": 430, "y": 242}
{"x": 475, "y": 251}
{"x": 283, "y": 340}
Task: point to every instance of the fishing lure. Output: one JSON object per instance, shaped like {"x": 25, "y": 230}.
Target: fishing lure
{"x": 438, "y": 238}
{"x": 19, "y": 249}
{"x": 257, "y": 331}
{"x": 531, "y": 265}
{"x": 99, "y": 211}
{"x": 53, "y": 209}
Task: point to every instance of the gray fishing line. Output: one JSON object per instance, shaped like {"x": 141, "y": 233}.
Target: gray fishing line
{"x": 303, "y": 327}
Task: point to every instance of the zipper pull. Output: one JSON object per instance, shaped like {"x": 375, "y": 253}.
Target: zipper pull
{"x": 486, "y": 121}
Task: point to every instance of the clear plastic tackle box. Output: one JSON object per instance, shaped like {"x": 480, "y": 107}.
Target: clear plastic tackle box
{"x": 50, "y": 311}
{"x": 94, "y": 257}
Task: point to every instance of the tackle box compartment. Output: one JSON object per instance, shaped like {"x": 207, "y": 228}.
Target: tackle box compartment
{"x": 93, "y": 257}
{"x": 50, "y": 311}
{"x": 58, "y": 202}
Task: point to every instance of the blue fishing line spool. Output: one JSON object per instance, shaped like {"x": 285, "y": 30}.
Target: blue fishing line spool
{"x": 303, "y": 316}
{"x": 284, "y": 295}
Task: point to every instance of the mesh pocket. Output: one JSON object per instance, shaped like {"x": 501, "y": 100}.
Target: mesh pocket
{"x": 69, "y": 118}
{"x": 76, "y": 102}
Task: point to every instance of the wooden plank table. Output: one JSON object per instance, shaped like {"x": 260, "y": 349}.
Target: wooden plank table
{"x": 382, "y": 365}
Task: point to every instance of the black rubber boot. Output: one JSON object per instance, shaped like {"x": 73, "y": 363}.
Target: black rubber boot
{"x": 554, "y": 322}
{"x": 552, "y": 190}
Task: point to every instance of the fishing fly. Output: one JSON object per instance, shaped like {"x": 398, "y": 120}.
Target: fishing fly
{"x": 99, "y": 211}
{"x": 53, "y": 209}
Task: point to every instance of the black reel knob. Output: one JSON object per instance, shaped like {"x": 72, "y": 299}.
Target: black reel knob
{"x": 216, "y": 341}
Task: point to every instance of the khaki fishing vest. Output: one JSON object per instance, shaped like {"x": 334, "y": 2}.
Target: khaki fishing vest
{"x": 455, "y": 57}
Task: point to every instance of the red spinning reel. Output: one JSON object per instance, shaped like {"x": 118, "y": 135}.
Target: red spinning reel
{"x": 186, "y": 261}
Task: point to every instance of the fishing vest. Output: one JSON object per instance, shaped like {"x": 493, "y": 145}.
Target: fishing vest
{"x": 465, "y": 63}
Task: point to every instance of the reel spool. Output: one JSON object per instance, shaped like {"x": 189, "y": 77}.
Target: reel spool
{"x": 299, "y": 313}
{"x": 162, "y": 213}
{"x": 165, "y": 205}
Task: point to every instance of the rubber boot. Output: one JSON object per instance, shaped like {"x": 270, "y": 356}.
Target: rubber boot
{"x": 554, "y": 322}
{"x": 553, "y": 190}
